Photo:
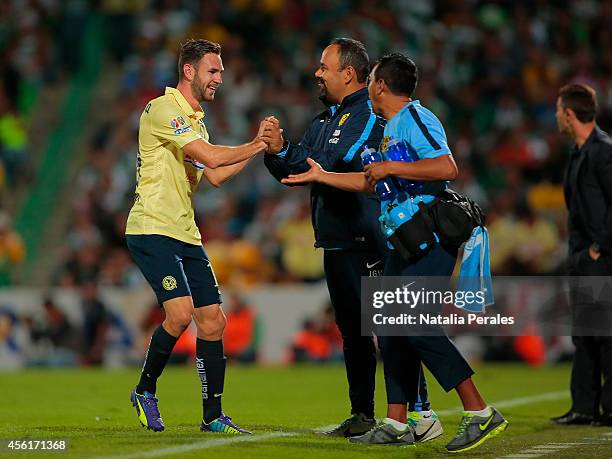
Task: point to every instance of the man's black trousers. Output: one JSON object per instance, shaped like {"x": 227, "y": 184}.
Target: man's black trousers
{"x": 591, "y": 381}
{"x": 343, "y": 271}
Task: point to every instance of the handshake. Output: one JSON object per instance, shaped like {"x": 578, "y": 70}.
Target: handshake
{"x": 270, "y": 135}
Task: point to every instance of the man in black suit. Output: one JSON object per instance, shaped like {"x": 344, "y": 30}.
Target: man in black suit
{"x": 588, "y": 195}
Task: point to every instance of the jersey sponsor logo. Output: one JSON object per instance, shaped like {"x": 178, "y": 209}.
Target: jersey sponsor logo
{"x": 343, "y": 119}
{"x": 182, "y": 130}
{"x": 334, "y": 140}
{"x": 177, "y": 122}
{"x": 169, "y": 283}
{"x": 384, "y": 143}
{"x": 337, "y": 132}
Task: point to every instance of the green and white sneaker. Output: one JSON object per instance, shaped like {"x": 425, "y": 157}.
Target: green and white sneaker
{"x": 385, "y": 433}
{"x": 357, "y": 424}
{"x": 474, "y": 430}
{"x": 426, "y": 425}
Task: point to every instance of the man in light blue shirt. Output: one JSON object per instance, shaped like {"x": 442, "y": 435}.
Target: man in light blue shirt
{"x": 430, "y": 166}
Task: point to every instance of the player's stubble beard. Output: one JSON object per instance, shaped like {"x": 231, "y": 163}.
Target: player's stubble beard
{"x": 198, "y": 89}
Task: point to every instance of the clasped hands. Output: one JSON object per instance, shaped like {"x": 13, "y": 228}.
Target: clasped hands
{"x": 271, "y": 134}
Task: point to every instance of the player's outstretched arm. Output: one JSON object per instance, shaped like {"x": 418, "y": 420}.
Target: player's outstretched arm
{"x": 214, "y": 156}
{"x": 427, "y": 169}
{"x": 220, "y": 175}
{"x": 348, "y": 181}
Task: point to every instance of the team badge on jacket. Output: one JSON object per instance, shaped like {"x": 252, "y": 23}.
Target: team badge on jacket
{"x": 343, "y": 119}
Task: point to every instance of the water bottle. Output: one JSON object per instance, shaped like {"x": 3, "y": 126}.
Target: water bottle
{"x": 385, "y": 188}
{"x": 397, "y": 150}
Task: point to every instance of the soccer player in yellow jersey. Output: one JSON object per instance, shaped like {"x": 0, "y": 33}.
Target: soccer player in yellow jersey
{"x": 163, "y": 238}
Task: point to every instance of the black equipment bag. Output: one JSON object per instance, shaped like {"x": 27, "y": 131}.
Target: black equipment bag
{"x": 450, "y": 215}
{"x": 413, "y": 238}
{"x": 453, "y": 216}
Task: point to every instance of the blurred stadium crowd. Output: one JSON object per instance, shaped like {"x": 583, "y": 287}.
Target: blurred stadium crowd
{"x": 490, "y": 71}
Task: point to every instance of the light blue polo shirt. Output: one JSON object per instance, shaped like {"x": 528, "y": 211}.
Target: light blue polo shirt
{"x": 423, "y": 133}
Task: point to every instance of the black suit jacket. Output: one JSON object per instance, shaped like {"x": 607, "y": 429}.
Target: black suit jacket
{"x": 588, "y": 195}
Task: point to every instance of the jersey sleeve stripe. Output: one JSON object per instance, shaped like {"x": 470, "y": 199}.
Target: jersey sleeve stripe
{"x": 423, "y": 128}
{"x": 364, "y": 136}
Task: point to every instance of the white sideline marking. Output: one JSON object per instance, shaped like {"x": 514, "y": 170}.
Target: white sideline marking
{"x": 199, "y": 445}
{"x": 521, "y": 456}
{"x": 546, "y": 449}
{"x": 252, "y": 438}
{"x": 517, "y": 401}
{"x": 553, "y": 446}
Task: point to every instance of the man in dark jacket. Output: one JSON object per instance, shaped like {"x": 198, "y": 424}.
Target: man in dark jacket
{"x": 588, "y": 195}
{"x": 345, "y": 223}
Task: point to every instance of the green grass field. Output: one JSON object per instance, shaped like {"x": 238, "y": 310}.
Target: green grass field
{"x": 90, "y": 408}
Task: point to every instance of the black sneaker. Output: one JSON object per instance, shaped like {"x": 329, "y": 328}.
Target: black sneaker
{"x": 357, "y": 424}
{"x": 386, "y": 434}
{"x": 475, "y": 430}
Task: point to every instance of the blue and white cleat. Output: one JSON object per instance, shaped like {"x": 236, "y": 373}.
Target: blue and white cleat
{"x": 147, "y": 411}
{"x": 224, "y": 424}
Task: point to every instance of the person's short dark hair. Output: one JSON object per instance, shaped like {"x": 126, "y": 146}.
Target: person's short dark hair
{"x": 193, "y": 50}
{"x": 352, "y": 53}
{"x": 399, "y": 73}
{"x": 580, "y": 98}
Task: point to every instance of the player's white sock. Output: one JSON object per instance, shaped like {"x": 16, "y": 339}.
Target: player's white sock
{"x": 398, "y": 425}
{"x": 485, "y": 413}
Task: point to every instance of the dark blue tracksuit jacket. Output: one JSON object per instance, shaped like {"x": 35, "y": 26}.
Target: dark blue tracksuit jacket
{"x": 335, "y": 139}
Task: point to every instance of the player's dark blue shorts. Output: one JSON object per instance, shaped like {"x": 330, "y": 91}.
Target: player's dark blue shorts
{"x": 174, "y": 268}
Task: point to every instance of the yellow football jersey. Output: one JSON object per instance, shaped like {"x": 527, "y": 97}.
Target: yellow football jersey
{"x": 166, "y": 177}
